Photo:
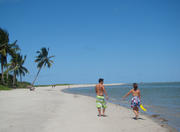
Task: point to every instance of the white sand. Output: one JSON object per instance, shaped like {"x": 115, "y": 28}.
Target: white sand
{"x": 50, "y": 110}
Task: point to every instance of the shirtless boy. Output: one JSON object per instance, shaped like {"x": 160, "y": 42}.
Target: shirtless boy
{"x": 100, "y": 101}
{"x": 136, "y": 100}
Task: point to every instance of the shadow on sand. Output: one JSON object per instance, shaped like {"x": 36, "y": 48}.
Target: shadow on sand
{"x": 102, "y": 116}
{"x": 138, "y": 118}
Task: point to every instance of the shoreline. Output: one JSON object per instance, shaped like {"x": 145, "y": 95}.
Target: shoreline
{"x": 155, "y": 118}
{"x": 49, "y": 109}
{"x": 91, "y": 85}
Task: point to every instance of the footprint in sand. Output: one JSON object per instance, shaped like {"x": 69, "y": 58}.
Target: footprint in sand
{"x": 75, "y": 96}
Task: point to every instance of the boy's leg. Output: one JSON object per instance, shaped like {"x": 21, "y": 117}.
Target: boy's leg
{"x": 104, "y": 107}
{"x": 99, "y": 110}
{"x": 104, "y": 111}
{"x": 136, "y": 112}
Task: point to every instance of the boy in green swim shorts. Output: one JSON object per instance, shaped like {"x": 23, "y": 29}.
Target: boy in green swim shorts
{"x": 100, "y": 101}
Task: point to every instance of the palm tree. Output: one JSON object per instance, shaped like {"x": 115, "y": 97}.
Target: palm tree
{"x": 5, "y": 49}
{"x": 16, "y": 66}
{"x": 4, "y": 40}
{"x": 13, "y": 67}
{"x": 42, "y": 60}
{"x": 22, "y": 70}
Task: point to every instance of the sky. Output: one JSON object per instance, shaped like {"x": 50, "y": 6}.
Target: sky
{"x": 121, "y": 41}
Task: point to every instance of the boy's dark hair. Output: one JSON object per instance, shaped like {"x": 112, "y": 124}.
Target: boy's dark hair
{"x": 135, "y": 86}
{"x": 101, "y": 80}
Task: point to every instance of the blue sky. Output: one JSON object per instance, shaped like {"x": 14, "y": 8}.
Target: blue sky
{"x": 119, "y": 40}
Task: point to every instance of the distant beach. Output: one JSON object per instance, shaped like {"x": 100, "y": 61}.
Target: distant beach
{"x": 49, "y": 109}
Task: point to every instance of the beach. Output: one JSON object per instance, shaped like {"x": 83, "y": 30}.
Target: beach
{"x": 49, "y": 109}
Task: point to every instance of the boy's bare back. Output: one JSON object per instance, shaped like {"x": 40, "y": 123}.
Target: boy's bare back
{"x": 100, "y": 89}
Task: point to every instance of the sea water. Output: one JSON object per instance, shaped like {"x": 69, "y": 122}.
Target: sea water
{"x": 160, "y": 99}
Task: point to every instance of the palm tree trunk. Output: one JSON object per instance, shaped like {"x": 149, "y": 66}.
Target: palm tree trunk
{"x": 2, "y": 70}
{"x": 7, "y": 77}
{"x": 14, "y": 79}
{"x": 36, "y": 76}
{"x": 20, "y": 77}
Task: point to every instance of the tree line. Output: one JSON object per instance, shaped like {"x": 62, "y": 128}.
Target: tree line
{"x": 12, "y": 61}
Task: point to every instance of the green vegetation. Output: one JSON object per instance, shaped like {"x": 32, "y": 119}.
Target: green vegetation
{"x": 6, "y": 49}
{"x": 23, "y": 84}
{"x": 43, "y": 60}
{"x": 12, "y": 63}
{"x": 15, "y": 67}
{"x": 4, "y": 87}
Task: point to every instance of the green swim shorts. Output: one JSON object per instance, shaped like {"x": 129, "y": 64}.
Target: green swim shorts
{"x": 100, "y": 102}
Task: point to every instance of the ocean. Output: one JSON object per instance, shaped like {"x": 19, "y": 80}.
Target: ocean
{"x": 162, "y": 100}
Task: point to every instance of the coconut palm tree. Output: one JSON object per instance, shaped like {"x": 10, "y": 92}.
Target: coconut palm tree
{"x": 4, "y": 40}
{"x": 16, "y": 66}
{"x": 42, "y": 59}
{"x": 22, "y": 71}
{"x": 5, "y": 49}
{"x": 13, "y": 67}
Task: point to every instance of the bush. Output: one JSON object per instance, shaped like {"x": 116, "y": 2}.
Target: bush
{"x": 23, "y": 84}
{"x": 4, "y": 87}
{"x": 9, "y": 81}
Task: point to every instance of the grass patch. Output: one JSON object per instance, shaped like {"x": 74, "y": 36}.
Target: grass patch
{"x": 23, "y": 84}
{"x": 4, "y": 87}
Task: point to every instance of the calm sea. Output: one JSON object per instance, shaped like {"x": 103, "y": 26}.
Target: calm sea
{"x": 161, "y": 99}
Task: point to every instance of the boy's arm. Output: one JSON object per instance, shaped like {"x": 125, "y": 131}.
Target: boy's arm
{"x": 140, "y": 96}
{"x": 127, "y": 94}
{"x": 105, "y": 92}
